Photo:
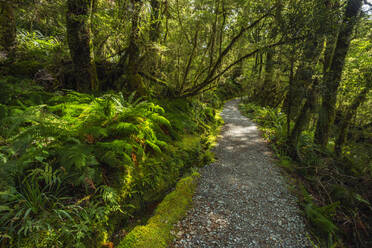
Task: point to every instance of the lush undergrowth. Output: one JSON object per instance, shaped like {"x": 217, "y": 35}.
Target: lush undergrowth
{"x": 76, "y": 168}
{"x": 334, "y": 193}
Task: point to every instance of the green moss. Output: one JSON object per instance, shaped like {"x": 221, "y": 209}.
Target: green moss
{"x": 213, "y": 136}
{"x": 156, "y": 233}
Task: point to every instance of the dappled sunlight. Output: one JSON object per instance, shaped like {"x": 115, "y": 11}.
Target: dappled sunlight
{"x": 229, "y": 148}
{"x": 238, "y": 131}
{"x": 240, "y": 140}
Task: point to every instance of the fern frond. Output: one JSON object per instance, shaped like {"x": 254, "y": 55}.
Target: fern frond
{"x": 160, "y": 120}
{"x": 153, "y": 146}
{"x": 77, "y": 156}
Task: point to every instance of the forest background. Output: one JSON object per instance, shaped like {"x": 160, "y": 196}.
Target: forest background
{"x": 105, "y": 104}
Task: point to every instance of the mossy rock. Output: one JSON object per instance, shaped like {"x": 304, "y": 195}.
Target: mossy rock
{"x": 156, "y": 233}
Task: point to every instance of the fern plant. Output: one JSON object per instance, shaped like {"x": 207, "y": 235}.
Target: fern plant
{"x": 77, "y": 159}
{"x": 25, "y": 206}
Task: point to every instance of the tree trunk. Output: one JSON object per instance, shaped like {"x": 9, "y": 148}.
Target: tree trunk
{"x": 155, "y": 21}
{"x": 254, "y": 67}
{"x": 94, "y": 30}
{"x": 302, "y": 120}
{"x": 334, "y": 71}
{"x": 260, "y": 66}
{"x": 268, "y": 87}
{"x": 298, "y": 87}
{"x": 305, "y": 71}
{"x": 346, "y": 120}
{"x": 7, "y": 29}
{"x": 328, "y": 51}
{"x": 78, "y": 20}
{"x": 134, "y": 79}
{"x": 288, "y": 100}
{"x": 154, "y": 35}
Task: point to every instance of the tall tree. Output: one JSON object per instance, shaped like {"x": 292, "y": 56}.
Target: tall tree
{"x": 133, "y": 50}
{"x": 78, "y": 22}
{"x": 155, "y": 20}
{"x": 7, "y": 27}
{"x": 129, "y": 64}
{"x": 345, "y": 122}
{"x": 154, "y": 35}
{"x": 334, "y": 71}
{"x": 268, "y": 86}
{"x": 302, "y": 119}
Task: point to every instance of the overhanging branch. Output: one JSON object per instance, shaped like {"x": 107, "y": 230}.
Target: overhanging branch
{"x": 233, "y": 41}
{"x": 153, "y": 79}
{"x": 220, "y": 58}
{"x": 195, "y": 90}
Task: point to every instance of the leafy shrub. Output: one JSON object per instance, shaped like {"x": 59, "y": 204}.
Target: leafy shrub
{"x": 36, "y": 45}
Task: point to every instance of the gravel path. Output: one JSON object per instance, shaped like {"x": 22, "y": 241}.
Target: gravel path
{"x": 242, "y": 200}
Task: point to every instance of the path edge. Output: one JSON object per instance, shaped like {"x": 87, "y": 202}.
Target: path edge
{"x": 157, "y": 232}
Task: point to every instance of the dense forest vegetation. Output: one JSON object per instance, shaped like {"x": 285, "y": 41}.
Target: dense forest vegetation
{"x": 106, "y": 104}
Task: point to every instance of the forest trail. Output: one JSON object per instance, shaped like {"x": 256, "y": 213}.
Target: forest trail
{"x": 242, "y": 200}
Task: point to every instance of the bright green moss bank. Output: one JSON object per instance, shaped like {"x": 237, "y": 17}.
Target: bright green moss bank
{"x": 156, "y": 233}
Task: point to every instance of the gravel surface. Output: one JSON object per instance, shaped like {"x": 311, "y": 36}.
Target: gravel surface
{"x": 242, "y": 199}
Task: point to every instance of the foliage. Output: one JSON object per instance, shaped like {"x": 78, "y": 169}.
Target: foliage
{"x": 272, "y": 122}
{"x": 77, "y": 159}
{"x": 160, "y": 70}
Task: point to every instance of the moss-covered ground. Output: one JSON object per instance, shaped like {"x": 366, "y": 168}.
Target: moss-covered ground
{"x": 157, "y": 232}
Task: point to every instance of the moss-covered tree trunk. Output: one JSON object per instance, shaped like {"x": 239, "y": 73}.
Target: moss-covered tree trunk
{"x": 302, "y": 119}
{"x": 288, "y": 100}
{"x": 255, "y": 66}
{"x": 134, "y": 79}
{"x": 155, "y": 21}
{"x": 345, "y": 123}
{"x": 154, "y": 35}
{"x": 304, "y": 73}
{"x": 260, "y": 66}
{"x": 7, "y": 29}
{"x": 80, "y": 43}
{"x": 298, "y": 87}
{"x": 328, "y": 51}
{"x": 334, "y": 71}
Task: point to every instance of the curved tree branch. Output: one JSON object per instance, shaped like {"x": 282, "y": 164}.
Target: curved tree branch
{"x": 194, "y": 91}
